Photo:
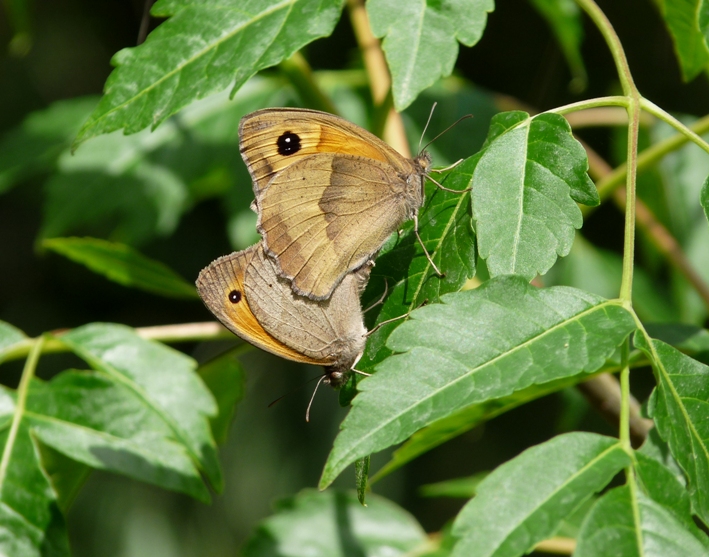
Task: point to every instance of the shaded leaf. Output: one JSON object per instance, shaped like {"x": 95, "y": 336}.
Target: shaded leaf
{"x": 124, "y": 265}
{"x": 224, "y": 377}
{"x": 631, "y": 524}
{"x": 663, "y": 486}
{"x": 689, "y": 339}
{"x": 683, "y": 22}
{"x": 164, "y": 377}
{"x": 525, "y": 500}
{"x": 475, "y": 346}
{"x": 679, "y": 407}
{"x": 459, "y": 487}
{"x": 334, "y": 524}
{"x": 33, "y": 147}
{"x": 564, "y": 18}
{"x": 421, "y": 39}
{"x": 529, "y": 177}
{"x": 201, "y": 49}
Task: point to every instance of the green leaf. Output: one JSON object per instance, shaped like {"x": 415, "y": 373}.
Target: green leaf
{"x": 467, "y": 418}
{"x": 689, "y": 339}
{"x": 30, "y": 518}
{"x": 679, "y": 407}
{"x": 334, "y": 524}
{"x": 34, "y": 146}
{"x": 663, "y": 486}
{"x": 475, "y": 346}
{"x": 201, "y": 49}
{"x": 525, "y": 500}
{"x": 361, "y": 477}
{"x": 403, "y": 270}
{"x": 77, "y": 421}
{"x": 682, "y": 18}
{"x": 164, "y": 377}
{"x": 529, "y": 176}
{"x": 564, "y": 18}
{"x": 421, "y": 39}
{"x": 124, "y": 265}
{"x": 460, "y": 487}
{"x": 225, "y": 378}
{"x": 629, "y": 523}
{"x": 9, "y": 338}
{"x": 704, "y": 199}
{"x": 102, "y": 422}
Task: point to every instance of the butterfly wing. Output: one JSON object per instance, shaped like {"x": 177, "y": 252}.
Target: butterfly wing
{"x": 326, "y": 215}
{"x": 331, "y": 331}
{"x": 221, "y": 287}
{"x": 274, "y": 138}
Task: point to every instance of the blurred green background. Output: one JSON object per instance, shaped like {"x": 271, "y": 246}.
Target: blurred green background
{"x": 60, "y": 50}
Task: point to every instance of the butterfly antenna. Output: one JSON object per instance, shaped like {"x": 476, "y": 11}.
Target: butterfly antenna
{"x": 307, "y": 412}
{"x": 430, "y": 115}
{"x": 458, "y": 121}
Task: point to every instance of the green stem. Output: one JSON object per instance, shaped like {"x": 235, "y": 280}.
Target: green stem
{"x": 624, "y": 433}
{"x": 655, "y": 110}
{"x": 626, "y": 285}
{"x": 590, "y": 103}
{"x": 22, "y": 391}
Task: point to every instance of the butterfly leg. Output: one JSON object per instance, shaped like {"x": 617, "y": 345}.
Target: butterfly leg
{"x": 425, "y": 251}
{"x": 442, "y": 187}
{"x": 380, "y": 300}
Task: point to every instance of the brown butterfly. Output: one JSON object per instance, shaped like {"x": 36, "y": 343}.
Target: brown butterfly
{"x": 328, "y": 193}
{"x": 244, "y": 291}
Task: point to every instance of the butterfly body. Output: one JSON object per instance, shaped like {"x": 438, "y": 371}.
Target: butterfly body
{"x": 328, "y": 193}
{"x": 244, "y": 291}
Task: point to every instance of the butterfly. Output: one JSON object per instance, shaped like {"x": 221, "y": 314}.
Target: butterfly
{"x": 243, "y": 290}
{"x": 328, "y": 194}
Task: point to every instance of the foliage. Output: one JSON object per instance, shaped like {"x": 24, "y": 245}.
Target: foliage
{"x": 527, "y": 306}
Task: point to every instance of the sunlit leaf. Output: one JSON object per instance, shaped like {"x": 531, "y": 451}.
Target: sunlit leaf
{"x": 704, "y": 199}
{"x": 124, "y": 265}
{"x": 475, "y": 346}
{"x": 9, "y": 337}
{"x": 421, "y": 39}
{"x": 530, "y": 175}
{"x": 525, "y": 500}
{"x": 361, "y": 478}
{"x": 204, "y": 47}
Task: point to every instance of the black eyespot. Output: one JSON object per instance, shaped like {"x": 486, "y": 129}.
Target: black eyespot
{"x": 288, "y": 144}
{"x": 234, "y": 296}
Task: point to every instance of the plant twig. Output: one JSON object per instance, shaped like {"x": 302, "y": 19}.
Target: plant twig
{"x": 186, "y": 332}
{"x": 145, "y": 21}
{"x": 378, "y": 72}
